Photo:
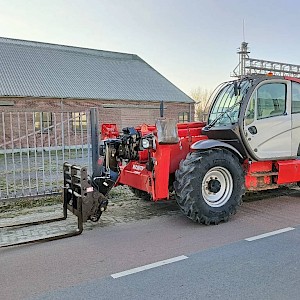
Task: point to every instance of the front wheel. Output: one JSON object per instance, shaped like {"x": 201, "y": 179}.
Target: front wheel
{"x": 209, "y": 185}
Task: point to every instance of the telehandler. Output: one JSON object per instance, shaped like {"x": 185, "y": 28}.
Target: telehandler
{"x": 250, "y": 142}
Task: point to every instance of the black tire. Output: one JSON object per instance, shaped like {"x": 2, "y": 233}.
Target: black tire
{"x": 140, "y": 194}
{"x": 209, "y": 185}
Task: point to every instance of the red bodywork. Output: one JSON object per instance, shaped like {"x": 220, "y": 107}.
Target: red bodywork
{"x": 167, "y": 158}
{"x": 258, "y": 175}
{"x": 109, "y": 131}
{"x": 270, "y": 174}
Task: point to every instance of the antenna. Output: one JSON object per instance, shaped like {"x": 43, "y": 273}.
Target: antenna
{"x": 244, "y": 30}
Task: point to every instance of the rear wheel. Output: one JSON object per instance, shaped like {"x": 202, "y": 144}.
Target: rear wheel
{"x": 209, "y": 185}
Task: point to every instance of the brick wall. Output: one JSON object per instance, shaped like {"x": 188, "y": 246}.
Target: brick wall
{"x": 123, "y": 113}
{"x": 110, "y": 111}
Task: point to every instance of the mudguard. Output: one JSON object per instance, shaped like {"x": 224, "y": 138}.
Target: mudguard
{"x": 210, "y": 144}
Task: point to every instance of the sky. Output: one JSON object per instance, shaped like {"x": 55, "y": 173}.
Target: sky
{"x": 192, "y": 43}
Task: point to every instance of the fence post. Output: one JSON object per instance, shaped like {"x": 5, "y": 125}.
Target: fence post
{"x": 95, "y": 140}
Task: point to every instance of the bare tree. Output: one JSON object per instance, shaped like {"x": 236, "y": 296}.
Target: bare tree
{"x": 201, "y": 97}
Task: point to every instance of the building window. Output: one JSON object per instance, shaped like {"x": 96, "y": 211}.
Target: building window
{"x": 79, "y": 121}
{"x": 43, "y": 121}
{"x": 183, "y": 117}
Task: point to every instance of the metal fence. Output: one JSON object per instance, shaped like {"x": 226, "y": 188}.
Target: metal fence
{"x": 34, "y": 146}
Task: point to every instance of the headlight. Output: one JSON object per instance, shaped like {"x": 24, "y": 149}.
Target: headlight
{"x": 145, "y": 143}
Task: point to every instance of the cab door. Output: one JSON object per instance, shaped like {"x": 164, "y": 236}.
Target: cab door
{"x": 267, "y": 121}
{"x": 296, "y": 118}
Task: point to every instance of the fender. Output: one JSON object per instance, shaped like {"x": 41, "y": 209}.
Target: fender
{"x": 210, "y": 144}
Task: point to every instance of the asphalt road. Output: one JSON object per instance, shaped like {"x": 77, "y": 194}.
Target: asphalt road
{"x": 218, "y": 261}
{"x": 263, "y": 269}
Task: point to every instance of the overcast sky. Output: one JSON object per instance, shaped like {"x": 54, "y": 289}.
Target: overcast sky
{"x": 192, "y": 43}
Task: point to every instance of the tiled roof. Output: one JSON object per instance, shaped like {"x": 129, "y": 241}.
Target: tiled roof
{"x": 45, "y": 70}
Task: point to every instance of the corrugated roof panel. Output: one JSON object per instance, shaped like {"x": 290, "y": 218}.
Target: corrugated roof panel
{"x": 45, "y": 70}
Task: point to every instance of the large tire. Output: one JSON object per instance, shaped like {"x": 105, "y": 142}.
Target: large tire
{"x": 209, "y": 185}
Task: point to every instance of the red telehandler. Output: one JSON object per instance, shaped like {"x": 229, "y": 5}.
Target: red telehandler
{"x": 250, "y": 142}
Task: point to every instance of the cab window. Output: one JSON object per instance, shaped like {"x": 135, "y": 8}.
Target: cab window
{"x": 271, "y": 100}
{"x": 295, "y": 97}
{"x": 250, "y": 113}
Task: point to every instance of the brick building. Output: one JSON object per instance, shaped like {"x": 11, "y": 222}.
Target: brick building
{"x": 48, "y": 79}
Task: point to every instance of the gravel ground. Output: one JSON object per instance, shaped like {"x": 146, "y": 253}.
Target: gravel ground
{"x": 123, "y": 206}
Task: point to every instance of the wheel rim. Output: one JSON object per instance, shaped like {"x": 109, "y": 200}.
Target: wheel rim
{"x": 217, "y": 186}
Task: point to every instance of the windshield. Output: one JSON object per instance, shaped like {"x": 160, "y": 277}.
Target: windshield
{"x": 226, "y": 107}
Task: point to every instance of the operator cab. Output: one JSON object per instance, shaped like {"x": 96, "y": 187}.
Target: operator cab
{"x": 259, "y": 116}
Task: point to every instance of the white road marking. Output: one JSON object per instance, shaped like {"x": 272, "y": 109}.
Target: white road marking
{"x": 261, "y": 236}
{"x": 150, "y": 266}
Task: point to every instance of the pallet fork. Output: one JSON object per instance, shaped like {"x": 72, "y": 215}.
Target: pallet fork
{"x": 79, "y": 197}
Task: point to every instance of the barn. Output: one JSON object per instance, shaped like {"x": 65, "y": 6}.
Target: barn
{"x": 51, "y": 78}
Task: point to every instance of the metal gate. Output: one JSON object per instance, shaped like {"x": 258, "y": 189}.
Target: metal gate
{"x": 34, "y": 146}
